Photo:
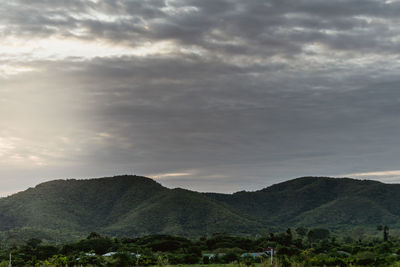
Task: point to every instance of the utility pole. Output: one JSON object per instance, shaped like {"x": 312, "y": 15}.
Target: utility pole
{"x": 137, "y": 258}
{"x": 272, "y": 257}
{"x": 9, "y": 264}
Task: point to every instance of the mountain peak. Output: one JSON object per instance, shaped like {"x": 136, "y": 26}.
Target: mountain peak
{"x": 301, "y": 182}
{"x": 125, "y": 180}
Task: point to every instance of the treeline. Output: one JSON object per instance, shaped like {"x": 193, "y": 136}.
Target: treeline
{"x": 294, "y": 247}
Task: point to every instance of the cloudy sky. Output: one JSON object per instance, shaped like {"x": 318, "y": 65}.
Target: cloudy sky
{"x": 210, "y": 95}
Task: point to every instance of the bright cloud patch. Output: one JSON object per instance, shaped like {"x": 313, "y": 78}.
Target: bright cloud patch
{"x": 385, "y": 176}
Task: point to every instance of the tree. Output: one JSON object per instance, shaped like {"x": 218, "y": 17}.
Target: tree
{"x": 289, "y": 234}
{"x": 385, "y": 230}
{"x": 94, "y": 235}
{"x": 318, "y": 234}
{"x": 385, "y": 233}
{"x": 301, "y": 231}
{"x": 33, "y": 242}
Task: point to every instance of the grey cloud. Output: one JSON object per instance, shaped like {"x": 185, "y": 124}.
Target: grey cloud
{"x": 176, "y": 113}
{"x": 245, "y": 105}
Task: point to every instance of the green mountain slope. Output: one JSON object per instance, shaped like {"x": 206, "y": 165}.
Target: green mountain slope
{"x": 77, "y": 204}
{"x": 133, "y": 205}
{"x": 320, "y": 202}
{"x": 181, "y": 212}
{"x": 122, "y": 205}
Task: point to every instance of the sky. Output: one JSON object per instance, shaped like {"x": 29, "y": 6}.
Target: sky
{"x": 208, "y": 95}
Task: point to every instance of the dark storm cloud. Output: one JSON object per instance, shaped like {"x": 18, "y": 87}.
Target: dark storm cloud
{"x": 185, "y": 113}
{"x": 250, "y": 92}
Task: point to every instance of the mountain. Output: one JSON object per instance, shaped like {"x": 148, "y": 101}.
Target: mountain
{"x": 334, "y": 203}
{"x": 134, "y": 205}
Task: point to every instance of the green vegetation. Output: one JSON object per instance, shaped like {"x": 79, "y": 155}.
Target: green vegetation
{"x": 137, "y": 206}
{"x": 301, "y": 247}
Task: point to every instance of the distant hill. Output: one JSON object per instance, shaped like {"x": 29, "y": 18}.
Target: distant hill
{"x": 134, "y": 205}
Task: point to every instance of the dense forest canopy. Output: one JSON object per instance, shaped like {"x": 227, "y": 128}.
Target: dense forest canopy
{"x": 293, "y": 247}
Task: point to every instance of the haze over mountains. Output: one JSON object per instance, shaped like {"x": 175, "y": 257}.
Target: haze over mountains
{"x": 134, "y": 205}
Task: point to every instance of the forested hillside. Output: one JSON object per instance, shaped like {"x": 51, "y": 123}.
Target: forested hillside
{"x": 136, "y": 206}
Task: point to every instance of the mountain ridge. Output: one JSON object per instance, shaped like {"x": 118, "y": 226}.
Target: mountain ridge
{"x": 135, "y": 205}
